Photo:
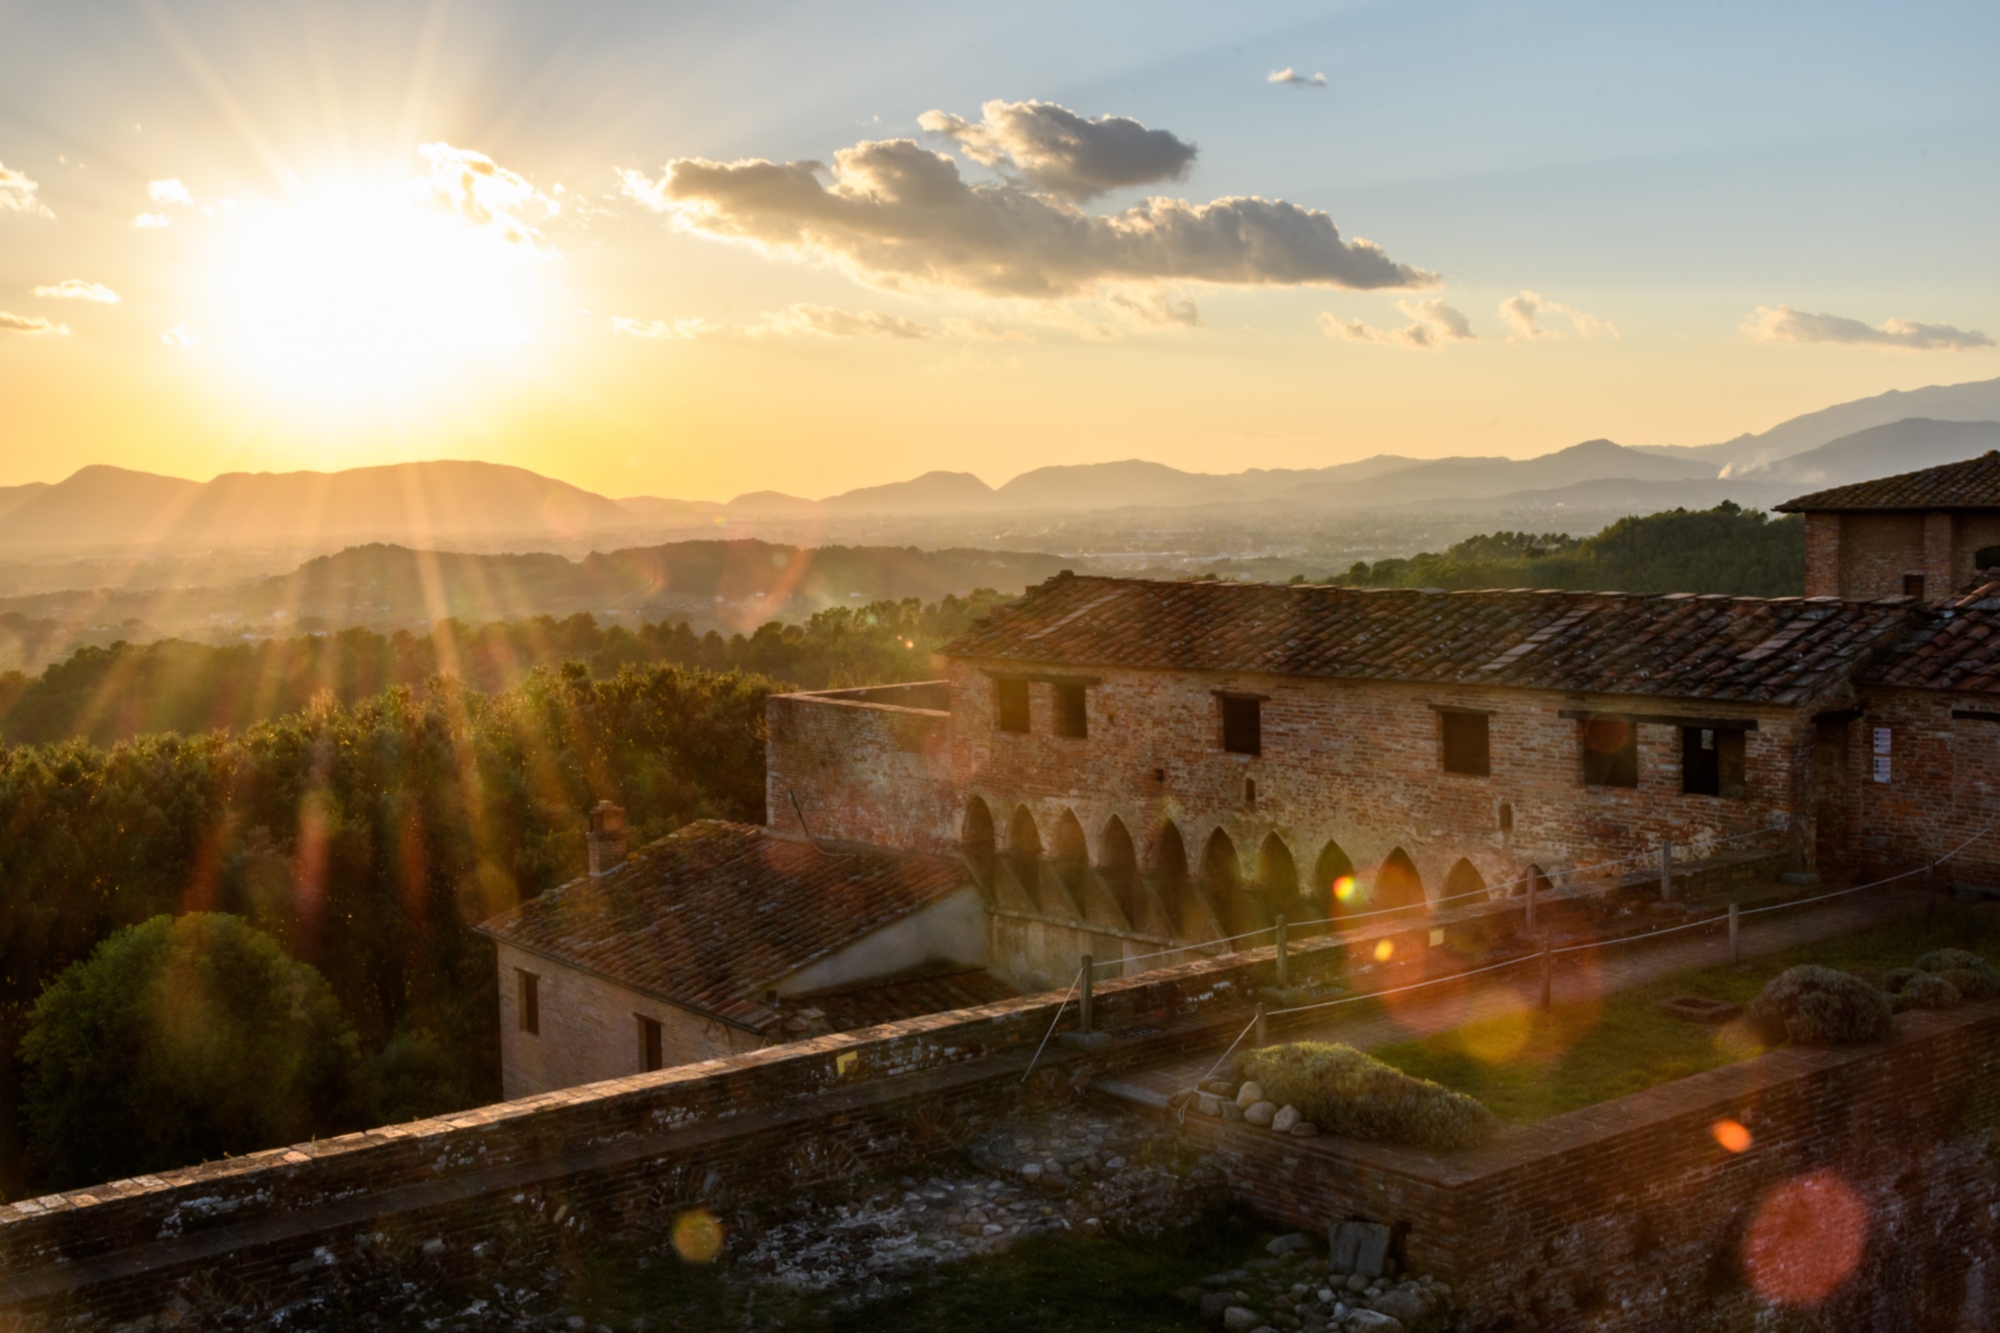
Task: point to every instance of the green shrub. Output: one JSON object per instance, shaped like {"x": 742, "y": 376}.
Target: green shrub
{"x": 1348, "y": 1093}
{"x": 1910, "y": 988}
{"x": 1820, "y": 1006}
{"x": 1973, "y": 976}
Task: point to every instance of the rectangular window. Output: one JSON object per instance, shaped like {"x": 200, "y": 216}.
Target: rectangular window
{"x": 1610, "y": 752}
{"x": 1243, "y": 726}
{"x": 1913, "y": 586}
{"x": 1011, "y": 697}
{"x": 1712, "y": 762}
{"x": 1466, "y": 745}
{"x": 1072, "y": 715}
{"x": 652, "y": 1054}
{"x": 531, "y": 1001}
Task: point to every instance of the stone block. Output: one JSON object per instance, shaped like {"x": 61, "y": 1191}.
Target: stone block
{"x": 1360, "y": 1248}
{"x": 1259, "y": 1113}
{"x": 1248, "y": 1096}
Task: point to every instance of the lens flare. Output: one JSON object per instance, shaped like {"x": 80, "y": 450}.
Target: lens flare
{"x": 1806, "y": 1239}
{"x": 697, "y": 1236}
{"x": 1344, "y": 889}
{"x": 1731, "y": 1135}
{"x": 1384, "y": 950}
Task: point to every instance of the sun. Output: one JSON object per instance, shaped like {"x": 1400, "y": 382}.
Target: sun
{"x": 353, "y": 292}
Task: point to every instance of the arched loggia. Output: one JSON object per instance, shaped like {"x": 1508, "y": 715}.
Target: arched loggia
{"x": 1398, "y": 885}
{"x": 1278, "y": 889}
{"x": 1463, "y": 883}
{"x": 1024, "y": 849}
{"x": 1333, "y": 883}
{"x": 976, "y": 840}
{"x": 1168, "y": 864}
{"x": 1118, "y": 866}
{"x": 1222, "y": 882}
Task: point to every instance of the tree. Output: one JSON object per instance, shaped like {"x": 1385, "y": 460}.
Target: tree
{"x": 178, "y": 1041}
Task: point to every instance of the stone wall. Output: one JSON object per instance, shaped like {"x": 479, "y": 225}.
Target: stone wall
{"x": 1631, "y": 1215}
{"x": 862, "y": 768}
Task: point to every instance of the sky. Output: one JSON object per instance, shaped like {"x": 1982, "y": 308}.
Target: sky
{"x": 693, "y": 251}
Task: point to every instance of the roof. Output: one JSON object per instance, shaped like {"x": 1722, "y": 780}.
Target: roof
{"x": 710, "y": 916}
{"x": 897, "y": 998}
{"x": 1747, "y": 649}
{"x": 1955, "y": 646}
{"x": 1973, "y": 484}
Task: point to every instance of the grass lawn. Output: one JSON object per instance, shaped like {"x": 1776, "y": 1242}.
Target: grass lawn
{"x": 1533, "y": 1064}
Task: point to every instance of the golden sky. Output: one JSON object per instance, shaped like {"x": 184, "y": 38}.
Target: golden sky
{"x": 659, "y": 251}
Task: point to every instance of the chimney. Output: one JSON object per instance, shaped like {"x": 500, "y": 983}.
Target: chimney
{"x": 607, "y": 838}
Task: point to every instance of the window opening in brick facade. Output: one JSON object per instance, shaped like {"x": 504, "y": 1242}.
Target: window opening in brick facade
{"x": 1118, "y": 865}
{"x": 1250, "y": 792}
{"x": 1610, "y": 752}
{"x": 1010, "y": 702}
{"x": 1242, "y": 725}
{"x": 1072, "y": 712}
{"x": 1466, "y": 747}
{"x": 1333, "y": 885}
{"x": 1168, "y": 866}
{"x": 529, "y": 988}
{"x": 1913, "y": 586}
{"x": 1506, "y": 817}
{"x": 977, "y": 840}
{"x": 652, "y": 1050}
{"x": 1986, "y": 557}
{"x": 1024, "y": 852}
{"x": 1463, "y": 879}
{"x": 1278, "y": 881}
{"x": 1222, "y": 882}
{"x": 1712, "y": 762}
{"x": 1397, "y": 883}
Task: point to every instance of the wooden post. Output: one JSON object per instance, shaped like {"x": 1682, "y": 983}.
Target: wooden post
{"x": 1735, "y": 943}
{"x": 1548, "y": 967}
{"x": 1083, "y": 1009}
{"x": 1283, "y": 971}
{"x": 1930, "y": 890}
{"x": 1531, "y": 904}
{"x": 1666, "y": 870}
{"x": 1261, "y": 1037}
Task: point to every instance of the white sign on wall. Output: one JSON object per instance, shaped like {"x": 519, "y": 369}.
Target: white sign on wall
{"x": 1881, "y": 768}
{"x": 1881, "y": 740}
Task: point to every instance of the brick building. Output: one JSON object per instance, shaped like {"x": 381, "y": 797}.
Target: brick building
{"x": 1925, "y": 534}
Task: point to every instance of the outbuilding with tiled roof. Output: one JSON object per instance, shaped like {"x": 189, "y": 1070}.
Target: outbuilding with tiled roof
{"x": 1926, "y": 534}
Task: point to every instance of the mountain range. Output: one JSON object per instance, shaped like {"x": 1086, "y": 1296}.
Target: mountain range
{"x": 429, "y": 504}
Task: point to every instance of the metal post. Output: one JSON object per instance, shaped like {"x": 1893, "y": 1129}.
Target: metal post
{"x": 1548, "y": 966}
{"x": 1666, "y": 870}
{"x": 1083, "y": 1010}
{"x": 1735, "y": 942}
{"x": 1262, "y": 1038}
{"x": 1283, "y": 971}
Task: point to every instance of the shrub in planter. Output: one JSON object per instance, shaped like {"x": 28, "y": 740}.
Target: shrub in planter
{"x": 1820, "y": 1006}
{"x": 1974, "y": 977}
{"x": 1345, "y": 1092}
{"x": 1911, "y": 988}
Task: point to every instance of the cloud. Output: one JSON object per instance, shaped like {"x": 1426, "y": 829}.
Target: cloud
{"x": 150, "y": 221}
{"x": 665, "y": 328}
{"x": 169, "y": 192}
{"x": 180, "y": 335}
{"x": 1432, "y": 325}
{"x": 474, "y": 188}
{"x": 1521, "y": 310}
{"x": 1054, "y": 149}
{"x": 828, "y": 322}
{"x": 897, "y": 215}
{"x": 1782, "y": 324}
{"x": 30, "y": 324}
{"x": 76, "y": 289}
{"x": 1293, "y": 78}
{"x": 17, "y": 193}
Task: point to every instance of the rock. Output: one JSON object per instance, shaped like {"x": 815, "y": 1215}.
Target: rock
{"x": 1248, "y": 1095}
{"x": 1305, "y": 1129}
{"x": 1357, "y": 1283}
{"x": 1325, "y": 1295}
{"x": 1231, "y": 1111}
{"x": 1031, "y": 1171}
{"x": 1213, "y": 1304}
{"x": 1205, "y": 1102}
{"x": 1373, "y": 1321}
{"x": 1259, "y": 1113}
{"x": 1406, "y": 1304}
{"x": 1240, "y": 1319}
{"x": 1287, "y": 1116}
{"x": 1283, "y": 1245}
{"x": 1221, "y": 1087}
{"x": 1361, "y": 1248}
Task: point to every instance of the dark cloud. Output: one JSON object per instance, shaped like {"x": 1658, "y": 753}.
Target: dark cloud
{"x": 1432, "y": 325}
{"x": 898, "y": 215}
{"x": 1782, "y": 324}
{"x": 1055, "y": 150}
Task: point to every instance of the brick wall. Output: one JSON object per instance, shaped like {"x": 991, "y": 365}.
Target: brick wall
{"x": 1876, "y": 550}
{"x": 1943, "y": 787}
{"x": 1823, "y": 555}
{"x": 1630, "y": 1215}
{"x": 864, "y": 769}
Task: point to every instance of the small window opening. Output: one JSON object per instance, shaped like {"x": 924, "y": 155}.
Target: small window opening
{"x": 1506, "y": 817}
{"x": 1466, "y": 742}
{"x": 1243, "y": 726}
{"x": 531, "y": 1001}
{"x": 1913, "y": 586}
{"x": 1610, "y": 753}
{"x": 652, "y": 1054}
{"x": 1987, "y": 557}
{"x": 1711, "y": 762}
{"x": 1250, "y": 792}
{"x": 1012, "y": 699}
{"x": 1072, "y": 717}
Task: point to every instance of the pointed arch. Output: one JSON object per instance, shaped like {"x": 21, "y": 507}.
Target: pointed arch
{"x": 1221, "y": 869}
{"x": 1278, "y": 880}
{"x": 1118, "y": 865}
{"x": 1068, "y": 849}
{"x": 1536, "y": 876}
{"x": 1167, "y": 864}
{"x": 1397, "y": 883}
{"x": 1330, "y": 894}
{"x": 1463, "y": 882}
{"x": 1024, "y": 847}
{"x": 976, "y": 839}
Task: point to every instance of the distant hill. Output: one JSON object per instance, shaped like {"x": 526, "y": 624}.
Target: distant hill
{"x": 102, "y": 506}
{"x": 1488, "y": 478}
{"x": 1881, "y": 451}
{"x": 1978, "y": 400}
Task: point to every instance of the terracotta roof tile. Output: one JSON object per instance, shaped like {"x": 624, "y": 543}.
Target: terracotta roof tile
{"x": 1747, "y": 649}
{"x": 1955, "y": 646}
{"x": 709, "y": 916}
{"x": 1973, "y": 484}
{"x": 890, "y": 1001}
